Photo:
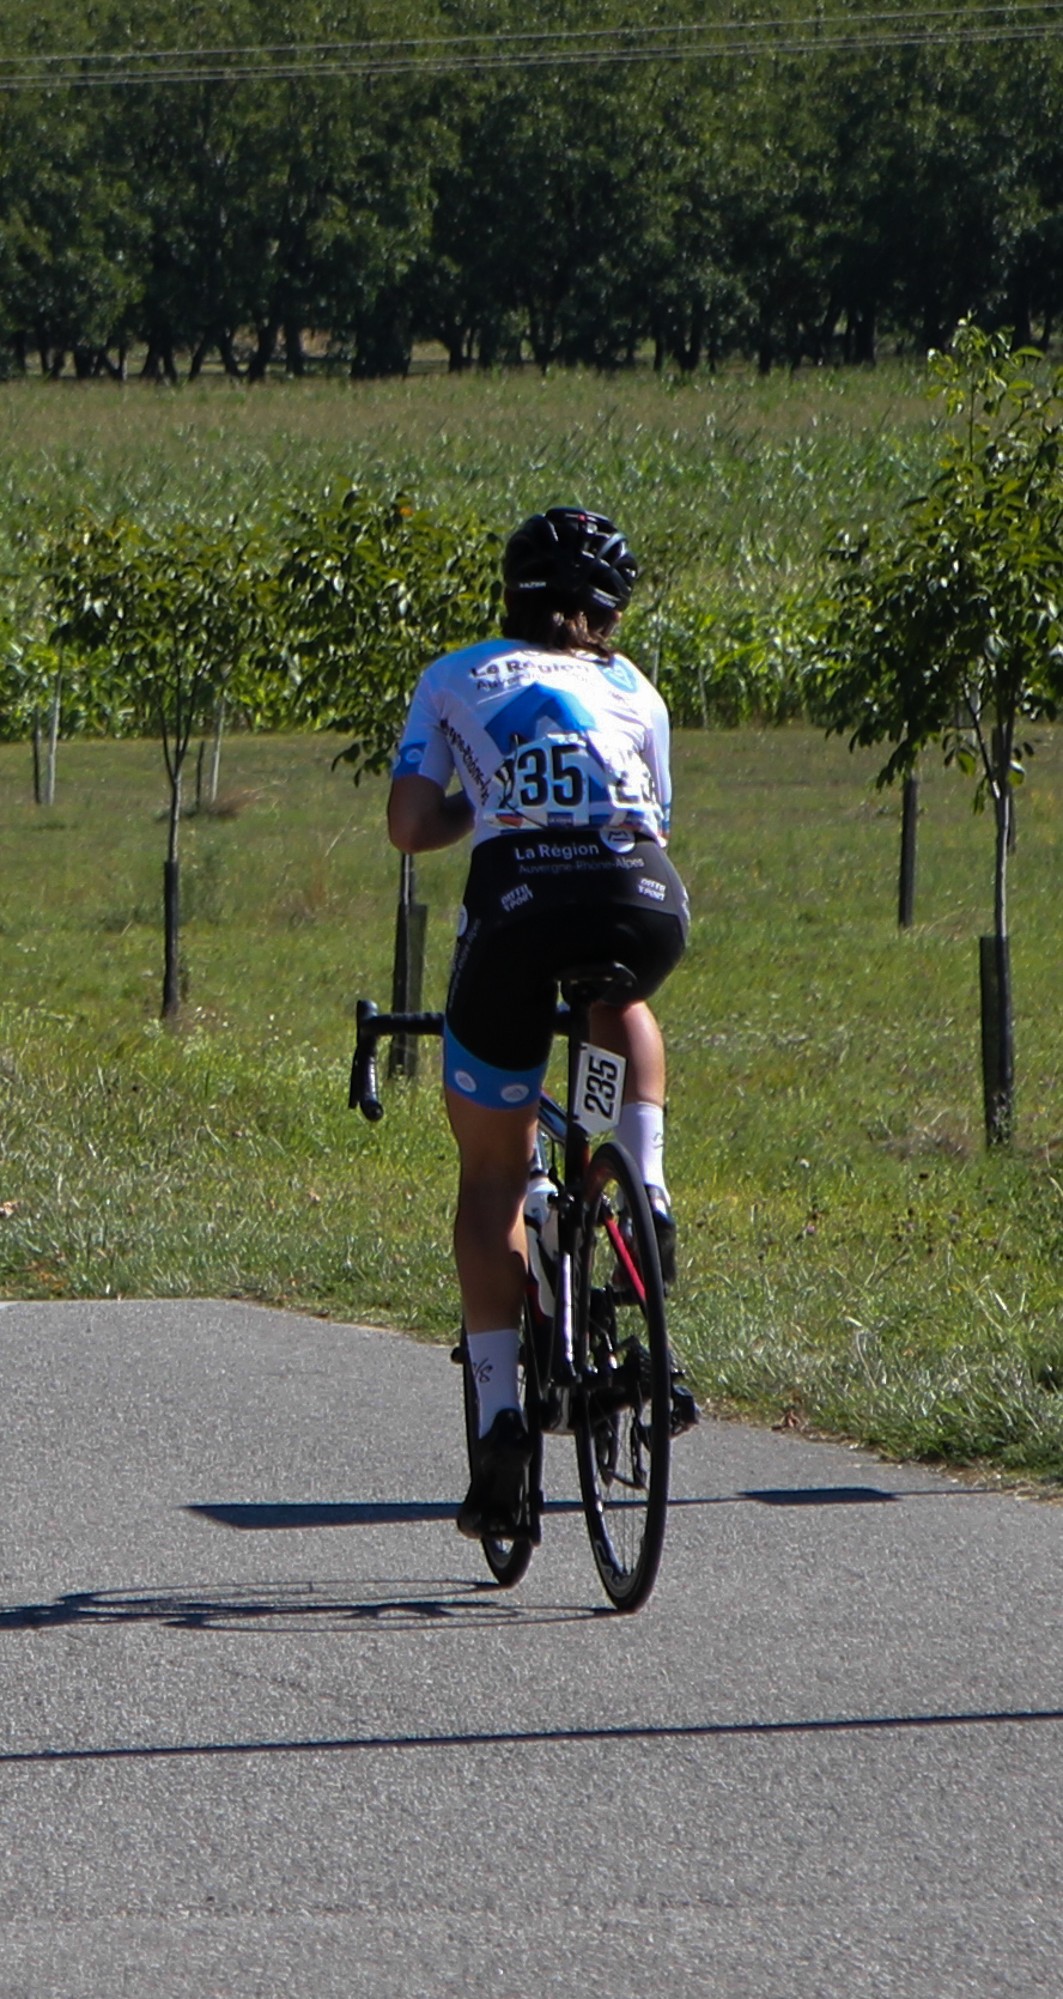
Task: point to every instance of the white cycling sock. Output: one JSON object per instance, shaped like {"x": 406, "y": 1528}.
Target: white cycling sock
{"x": 640, "y": 1130}
{"x": 493, "y": 1359}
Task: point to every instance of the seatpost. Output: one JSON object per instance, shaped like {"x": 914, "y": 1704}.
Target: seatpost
{"x": 575, "y": 1139}
{"x": 568, "y": 1206}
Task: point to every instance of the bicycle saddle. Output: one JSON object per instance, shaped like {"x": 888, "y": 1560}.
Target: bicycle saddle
{"x": 609, "y": 981}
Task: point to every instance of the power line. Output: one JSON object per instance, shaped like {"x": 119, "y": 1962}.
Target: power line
{"x": 569, "y": 48}
{"x": 527, "y": 36}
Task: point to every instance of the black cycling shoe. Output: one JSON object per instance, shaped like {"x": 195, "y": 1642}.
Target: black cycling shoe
{"x": 494, "y": 1503}
{"x": 685, "y": 1412}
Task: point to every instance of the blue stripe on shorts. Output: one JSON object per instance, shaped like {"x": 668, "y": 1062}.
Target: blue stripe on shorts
{"x": 481, "y": 1083}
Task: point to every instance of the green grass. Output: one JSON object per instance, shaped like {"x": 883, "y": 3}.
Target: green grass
{"x": 730, "y": 483}
{"x": 851, "y": 1259}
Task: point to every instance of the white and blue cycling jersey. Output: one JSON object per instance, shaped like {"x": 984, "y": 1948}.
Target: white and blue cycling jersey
{"x": 543, "y": 739}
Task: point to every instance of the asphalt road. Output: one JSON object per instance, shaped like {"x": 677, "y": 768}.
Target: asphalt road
{"x": 267, "y": 1729}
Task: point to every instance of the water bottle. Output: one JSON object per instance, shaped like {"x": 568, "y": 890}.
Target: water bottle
{"x": 540, "y": 1223}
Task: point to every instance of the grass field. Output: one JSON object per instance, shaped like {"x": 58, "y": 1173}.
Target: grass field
{"x": 728, "y": 482}
{"x": 850, "y": 1257}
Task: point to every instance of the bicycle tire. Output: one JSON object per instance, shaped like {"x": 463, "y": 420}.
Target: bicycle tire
{"x": 623, "y": 1414}
{"x": 507, "y": 1560}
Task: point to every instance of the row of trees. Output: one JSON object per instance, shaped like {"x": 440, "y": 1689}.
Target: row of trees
{"x": 798, "y": 198}
{"x": 163, "y": 632}
{"x": 946, "y": 629}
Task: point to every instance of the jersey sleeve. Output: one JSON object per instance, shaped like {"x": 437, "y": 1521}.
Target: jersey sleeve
{"x": 423, "y": 748}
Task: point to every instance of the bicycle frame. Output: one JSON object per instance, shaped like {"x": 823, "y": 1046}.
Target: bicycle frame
{"x": 560, "y": 1127}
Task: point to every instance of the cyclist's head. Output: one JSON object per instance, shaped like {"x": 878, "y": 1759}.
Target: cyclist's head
{"x": 566, "y": 572}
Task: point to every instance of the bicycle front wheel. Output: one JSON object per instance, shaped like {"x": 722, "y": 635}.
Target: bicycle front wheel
{"x": 623, "y": 1416}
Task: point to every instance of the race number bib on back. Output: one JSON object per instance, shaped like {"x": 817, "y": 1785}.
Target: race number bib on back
{"x": 551, "y": 774}
{"x": 559, "y": 780}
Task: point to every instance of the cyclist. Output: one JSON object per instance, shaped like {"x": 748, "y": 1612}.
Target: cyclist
{"x": 560, "y": 747}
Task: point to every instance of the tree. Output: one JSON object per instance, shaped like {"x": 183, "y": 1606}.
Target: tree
{"x": 950, "y": 630}
{"x": 178, "y": 613}
{"x": 369, "y": 592}
{"x": 71, "y": 237}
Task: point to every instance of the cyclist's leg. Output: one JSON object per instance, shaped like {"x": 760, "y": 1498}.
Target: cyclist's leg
{"x": 653, "y": 948}
{"x": 633, "y": 1031}
{"x": 495, "y": 1150}
{"x": 499, "y": 1022}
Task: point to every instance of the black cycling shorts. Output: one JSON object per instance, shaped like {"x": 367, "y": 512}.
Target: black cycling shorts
{"x": 534, "y": 906}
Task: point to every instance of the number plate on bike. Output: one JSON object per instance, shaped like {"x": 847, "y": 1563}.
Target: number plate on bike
{"x": 599, "y": 1089}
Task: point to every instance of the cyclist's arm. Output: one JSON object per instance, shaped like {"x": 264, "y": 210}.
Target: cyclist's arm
{"x": 422, "y": 816}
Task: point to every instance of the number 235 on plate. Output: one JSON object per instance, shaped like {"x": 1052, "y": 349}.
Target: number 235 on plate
{"x": 599, "y": 1089}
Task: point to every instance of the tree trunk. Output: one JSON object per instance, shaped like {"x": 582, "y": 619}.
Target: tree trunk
{"x": 294, "y": 358}
{"x": 998, "y": 1039}
{"x": 159, "y": 361}
{"x": 48, "y": 789}
{"x": 542, "y": 338}
{"x": 265, "y": 342}
{"x": 686, "y": 341}
{"x": 455, "y": 338}
{"x": 998, "y": 1031}
{"x": 408, "y": 968}
{"x": 171, "y": 907}
{"x": 228, "y": 357}
{"x": 909, "y": 824}
{"x": 864, "y": 337}
{"x": 215, "y": 752}
{"x": 115, "y": 371}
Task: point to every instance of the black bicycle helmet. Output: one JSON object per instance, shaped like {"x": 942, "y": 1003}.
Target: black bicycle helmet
{"x": 580, "y": 558}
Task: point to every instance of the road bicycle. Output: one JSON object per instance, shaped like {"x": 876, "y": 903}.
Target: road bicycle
{"x": 594, "y": 1361}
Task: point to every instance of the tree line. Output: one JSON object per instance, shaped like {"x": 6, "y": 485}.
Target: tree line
{"x": 520, "y": 193}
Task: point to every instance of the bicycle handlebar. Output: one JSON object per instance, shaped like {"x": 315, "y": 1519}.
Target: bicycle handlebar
{"x": 363, "y": 1093}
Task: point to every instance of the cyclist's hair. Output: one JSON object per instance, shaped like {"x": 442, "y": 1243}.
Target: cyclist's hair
{"x": 567, "y": 575}
{"x": 543, "y": 621}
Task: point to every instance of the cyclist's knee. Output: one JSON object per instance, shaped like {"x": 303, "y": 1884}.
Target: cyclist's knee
{"x": 493, "y": 1146}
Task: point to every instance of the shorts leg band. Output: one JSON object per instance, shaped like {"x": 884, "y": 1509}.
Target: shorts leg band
{"x": 481, "y": 1083}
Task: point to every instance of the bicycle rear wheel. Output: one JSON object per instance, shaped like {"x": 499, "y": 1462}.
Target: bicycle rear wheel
{"x": 623, "y": 1415}
{"x": 508, "y": 1559}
